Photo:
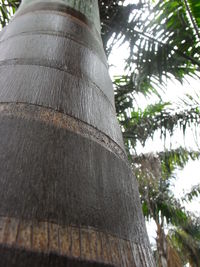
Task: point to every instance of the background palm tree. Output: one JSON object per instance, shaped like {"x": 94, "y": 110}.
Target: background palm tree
{"x": 154, "y": 173}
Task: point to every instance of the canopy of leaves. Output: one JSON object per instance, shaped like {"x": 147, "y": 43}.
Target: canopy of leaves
{"x": 163, "y": 41}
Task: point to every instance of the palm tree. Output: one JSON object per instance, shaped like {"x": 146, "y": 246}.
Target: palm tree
{"x": 186, "y": 238}
{"x": 154, "y": 173}
{"x": 67, "y": 192}
{"x": 163, "y": 46}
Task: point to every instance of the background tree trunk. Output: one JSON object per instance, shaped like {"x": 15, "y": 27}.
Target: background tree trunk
{"x": 66, "y": 189}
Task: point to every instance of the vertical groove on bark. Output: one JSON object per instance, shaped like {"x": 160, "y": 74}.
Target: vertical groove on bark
{"x": 68, "y": 196}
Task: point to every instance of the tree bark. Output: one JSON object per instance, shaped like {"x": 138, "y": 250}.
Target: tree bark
{"x": 161, "y": 245}
{"x": 67, "y": 193}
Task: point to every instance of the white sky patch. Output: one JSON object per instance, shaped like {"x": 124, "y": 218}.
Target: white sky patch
{"x": 151, "y": 230}
{"x": 187, "y": 177}
{"x": 117, "y": 59}
{"x": 131, "y": 2}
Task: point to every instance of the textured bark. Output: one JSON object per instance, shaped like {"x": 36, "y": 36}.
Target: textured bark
{"x": 161, "y": 246}
{"x": 67, "y": 193}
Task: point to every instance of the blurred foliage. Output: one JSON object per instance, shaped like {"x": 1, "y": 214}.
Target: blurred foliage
{"x": 186, "y": 240}
{"x": 194, "y": 192}
{"x": 162, "y": 42}
{"x": 154, "y": 173}
{"x": 7, "y": 9}
{"x": 139, "y": 125}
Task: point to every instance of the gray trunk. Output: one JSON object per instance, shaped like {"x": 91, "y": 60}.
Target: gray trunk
{"x": 67, "y": 193}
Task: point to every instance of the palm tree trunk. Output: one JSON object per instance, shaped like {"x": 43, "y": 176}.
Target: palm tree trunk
{"x": 161, "y": 245}
{"x": 68, "y": 197}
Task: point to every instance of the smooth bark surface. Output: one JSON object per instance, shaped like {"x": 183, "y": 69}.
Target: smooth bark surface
{"x": 89, "y": 8}
{"x": 68, "y": 196}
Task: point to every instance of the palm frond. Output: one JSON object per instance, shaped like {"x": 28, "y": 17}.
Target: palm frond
{"x": 162, "y": 44}
{"x": 193, "y": 8}
{"x": 7, "y": 9}
{"x": 171, "y": 159}
{"x": 140, "y": 125}
{"x": 194, "y": 192}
